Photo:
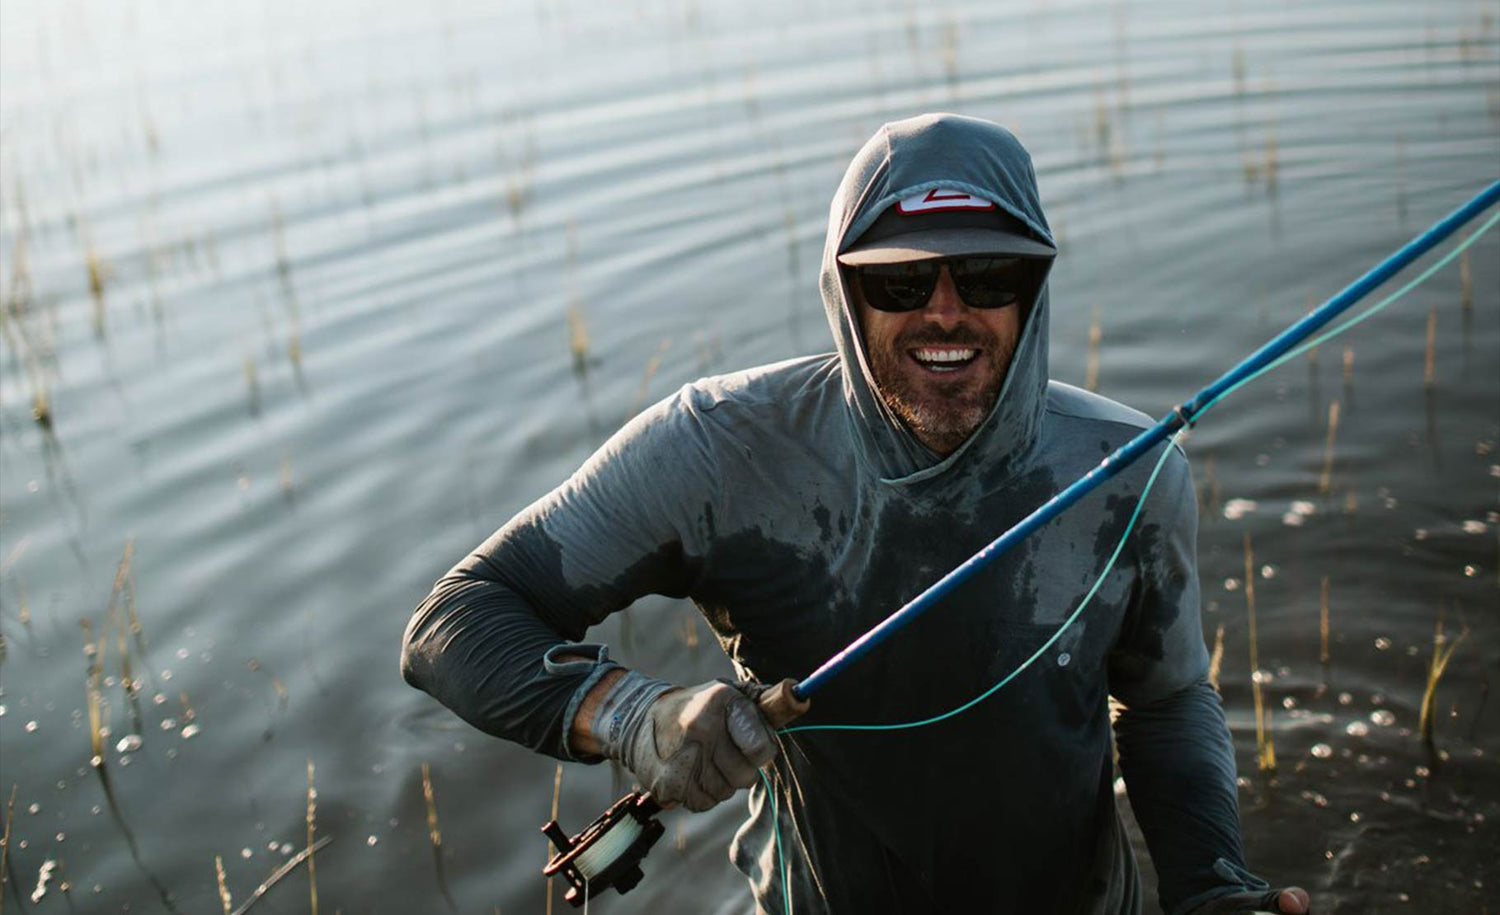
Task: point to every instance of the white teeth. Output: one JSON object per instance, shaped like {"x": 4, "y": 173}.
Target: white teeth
{"x": 944, "y": 355}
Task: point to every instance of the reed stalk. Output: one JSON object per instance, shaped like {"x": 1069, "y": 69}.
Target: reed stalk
{"x": 652, "y": 366}
{"x": 1216, "y": 660}
{"x": 1324, "y": 656}
{"x": 1442, "y": 653}
{"x": 1096, "y": 336}
{"x": 1325, "y": 482}
{"x": 1465, "y": 279}
{"x": 1265, "y": 746}
{"x": 552, "y": 849}
{"x": 434, "y": 831}
{"x": 578, "y": 339}
{"x": 312, "y": 864}
{"x": 435, "y": 835}
{"x": 10, "y": 812}
{"x": 1429, "y": 360}
{"x": 225, "y": 900}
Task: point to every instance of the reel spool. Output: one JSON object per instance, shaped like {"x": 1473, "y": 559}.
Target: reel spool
{"x": 608, "y": 853}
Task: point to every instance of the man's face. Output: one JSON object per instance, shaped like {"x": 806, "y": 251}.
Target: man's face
{"x": 939, "y": 367}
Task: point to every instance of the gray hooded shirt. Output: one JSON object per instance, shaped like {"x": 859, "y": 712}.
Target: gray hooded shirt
{"x": 796, "y": 511}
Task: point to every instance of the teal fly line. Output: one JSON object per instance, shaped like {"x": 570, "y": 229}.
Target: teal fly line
{"x": 1125, "y": 535}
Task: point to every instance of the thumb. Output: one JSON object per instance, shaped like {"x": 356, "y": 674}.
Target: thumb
{"x": 1294, "y": 901}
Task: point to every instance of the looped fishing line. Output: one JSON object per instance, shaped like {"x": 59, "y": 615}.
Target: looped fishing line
{"x": 1129, "y": 527}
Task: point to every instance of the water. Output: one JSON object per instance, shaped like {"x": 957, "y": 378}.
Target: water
{"x": 341, "y": 257}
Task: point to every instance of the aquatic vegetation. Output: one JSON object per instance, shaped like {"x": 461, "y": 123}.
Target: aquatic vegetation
{"x": 312, "y": 829}
{"x": 1324, "y": 656}
{"x": 226, "y": 900}
{"x": 1265, "y": 744}
{"x": 578, "y": 339}
{"x": 1437, "y": 665}
{"x": 1325, "y": 481}
{"x": 1096, "y": 335}
{"x": 551, "y": 848}
{"x": 1429, "y": 359}
{"x": 1216, "y": 659}
{"x": 435, "y": 834}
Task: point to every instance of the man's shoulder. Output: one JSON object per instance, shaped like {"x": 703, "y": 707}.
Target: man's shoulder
{"x": 1064, "y": 400}
{"x": 789, "y": 385}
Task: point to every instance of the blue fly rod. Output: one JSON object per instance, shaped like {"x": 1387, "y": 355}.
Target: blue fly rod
{"x": 1128, "y": 453}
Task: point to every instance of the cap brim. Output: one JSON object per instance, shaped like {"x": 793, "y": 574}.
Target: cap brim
{"x": 932, "y": 244}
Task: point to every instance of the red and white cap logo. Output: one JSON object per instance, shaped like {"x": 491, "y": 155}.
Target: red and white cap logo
{"x": 941, "y": 200}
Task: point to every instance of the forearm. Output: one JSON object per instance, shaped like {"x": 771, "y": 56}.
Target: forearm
{"x": 581, "y": 737}
{"x": 1178, "y": 763}
{"x": 481, "y": 650}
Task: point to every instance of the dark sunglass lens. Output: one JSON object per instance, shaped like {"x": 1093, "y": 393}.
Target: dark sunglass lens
{"x": 990, "y": 282}
{"x": 898, "y": 287}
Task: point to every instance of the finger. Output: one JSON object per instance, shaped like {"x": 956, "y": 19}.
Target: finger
{"x": 738, "y": 769}
{"x": 701, "y": 791}
{"x": 750, "y": 732}
{"x": 714, "y": 784}
{"x": 1294, "y": 901}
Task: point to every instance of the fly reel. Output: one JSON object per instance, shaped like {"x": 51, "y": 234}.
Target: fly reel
{"x": 608, "y": 853}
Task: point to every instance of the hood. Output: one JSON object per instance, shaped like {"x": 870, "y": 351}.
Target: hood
{"x": 910, "y": 157}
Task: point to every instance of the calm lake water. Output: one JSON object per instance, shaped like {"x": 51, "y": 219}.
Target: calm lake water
{"x": 318, "y": 294}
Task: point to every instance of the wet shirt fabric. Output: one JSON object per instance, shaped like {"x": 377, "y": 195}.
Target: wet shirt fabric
{"x": 796, "y": 512}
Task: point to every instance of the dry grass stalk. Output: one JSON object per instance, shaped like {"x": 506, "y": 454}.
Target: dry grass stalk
{"x": 1429, "y": 361}
{"x": 1265, "y": 747}
{"x": 652, "y": 365}
{"x": 97, "y": 273}
{"x": 434, "y": 833}
{"x": 93, "y": 686}
{"x": 10, "y": 812}
{"x": 226, "y": 900}
{"x": 1324, "y": 655}
{"x": 1216, "y": 660}
{"x": 1442, "y": 653}
{"x": 552, "y": 849}
{"x": 279, "y": 873}
{"x": 1325, "y": 482}
{"x": 1096, "y": 335}
{"x": 578, "y": 338}
{"x": 1348, "y": 364}
{"x": 312, "y": 864}
{"x": 1465, "y": 279}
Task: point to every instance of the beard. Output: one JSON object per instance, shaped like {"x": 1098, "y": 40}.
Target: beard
{"x": 941, "y": 412}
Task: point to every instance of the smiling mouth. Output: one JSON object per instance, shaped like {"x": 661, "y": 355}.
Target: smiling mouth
{"x": 944, "y": 359}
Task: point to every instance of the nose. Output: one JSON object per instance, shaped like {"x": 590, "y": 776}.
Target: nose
{"x": 945, "y": 309}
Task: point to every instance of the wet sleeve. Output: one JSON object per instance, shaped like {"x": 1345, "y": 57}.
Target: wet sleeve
{"x": 492, "y": 641}
{"x": 1174, "y": 746}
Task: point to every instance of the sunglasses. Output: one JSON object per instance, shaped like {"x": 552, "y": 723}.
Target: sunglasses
{"x": 982, "y": 282}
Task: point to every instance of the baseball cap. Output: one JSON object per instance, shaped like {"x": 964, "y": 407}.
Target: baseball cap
{"x": 943, "y": 222}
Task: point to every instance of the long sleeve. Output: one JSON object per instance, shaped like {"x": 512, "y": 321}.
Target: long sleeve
{"x": 485, "y": 642}
{"x": 1175, "y": 749}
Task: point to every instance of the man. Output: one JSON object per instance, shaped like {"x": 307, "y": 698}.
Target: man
{"x": 799, "y": 503}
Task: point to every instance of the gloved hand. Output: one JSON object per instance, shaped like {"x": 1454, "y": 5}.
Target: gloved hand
{"x": 693, "y": 746}
{"x": 1290, "y": 901}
